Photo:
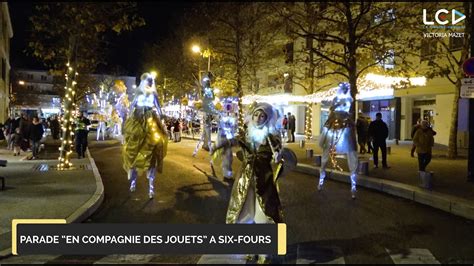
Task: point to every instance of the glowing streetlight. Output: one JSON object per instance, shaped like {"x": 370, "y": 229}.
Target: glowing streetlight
{"x": 206, "y": 54}
{"x": 196, "y": 49}
{"x": 153, "y": 74}
{"x": 21, "y": 82}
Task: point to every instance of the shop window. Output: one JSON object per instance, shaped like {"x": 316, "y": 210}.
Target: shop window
{"x": 387, "y": 61}
{"x": 274, "y": 80}
{"x": 321, "y": 70}
{"x": 428, "y": 48}
{"x": 288, "y": 53}
{"x": 385, "y": 16}
{"x": 309, "y": 43}
{"x": 455, "y": 44}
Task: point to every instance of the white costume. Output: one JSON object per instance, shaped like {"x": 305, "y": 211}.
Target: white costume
{"x": 338, "y": 136}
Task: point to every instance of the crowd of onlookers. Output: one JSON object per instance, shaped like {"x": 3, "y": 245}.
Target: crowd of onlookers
{"x": 373, "y": 134}
{"x": 24, "y": 133}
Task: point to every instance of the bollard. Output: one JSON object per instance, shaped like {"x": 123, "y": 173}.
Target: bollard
{"x": 363, "y": 168}
{"x": 309, "y": 153}
{"x": 389, "y": 150}
{"x": 426, "y": 179}
{"x": 317, "y": 160}
{"x": 302, "y": 143}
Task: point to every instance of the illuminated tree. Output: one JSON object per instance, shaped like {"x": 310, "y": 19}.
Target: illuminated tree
{"x": 73, "y": 34}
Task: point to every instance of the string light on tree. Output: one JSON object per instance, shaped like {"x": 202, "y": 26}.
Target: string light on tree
{"x": 66, "y": 124}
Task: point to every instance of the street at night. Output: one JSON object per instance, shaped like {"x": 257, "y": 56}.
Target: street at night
{"x": 236, "y": 133}
{"x": 322, "y": 226}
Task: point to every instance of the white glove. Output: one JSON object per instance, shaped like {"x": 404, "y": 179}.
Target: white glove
{"x": 277, "y": 157}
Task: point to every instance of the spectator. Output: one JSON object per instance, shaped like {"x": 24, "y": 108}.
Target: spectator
{"x": 423, "y": 139}
{"x": 362, "y": 132}
{"x": 370, "y": 148}
{"x": 284, "y": 124}
{"x": 177, "y": 130}
{"x": 54, "y": 125}
{"x": 81, "y": 124}
{"x": 10, "y": 127}
{"x": 17, "y": 141}
{"x": 413, "y": 131}
{"x": 24, "y": 125}
{"x": 36, "y": 134}
{"x": 378, "y": 131}
{"x": 291, "y": 128}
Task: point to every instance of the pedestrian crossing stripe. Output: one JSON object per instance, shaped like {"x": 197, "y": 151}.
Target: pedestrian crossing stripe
{"x": 305, "y": 254}
{"x": 414, "y": 256}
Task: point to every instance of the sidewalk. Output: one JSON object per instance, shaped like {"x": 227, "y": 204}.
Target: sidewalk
{"x": 451, "y": 192}
{"x": 35, "y": 189}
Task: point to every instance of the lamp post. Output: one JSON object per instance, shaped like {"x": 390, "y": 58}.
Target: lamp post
{"x": 206, "y": 54}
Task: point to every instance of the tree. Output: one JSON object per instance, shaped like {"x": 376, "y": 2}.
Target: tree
{"x": 352, "y": 37}
{"x": 445, "y": 58}
{"x": 73, "y": 34}
{"x": 239, "y": 34}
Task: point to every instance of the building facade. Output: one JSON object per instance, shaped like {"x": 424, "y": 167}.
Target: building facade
{"x": 34, "y": 92}
{"x": 37, "y": 92}
{"x": 6, "y": 33}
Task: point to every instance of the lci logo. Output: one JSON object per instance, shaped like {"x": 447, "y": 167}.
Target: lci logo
{"x": 441, "y": 18}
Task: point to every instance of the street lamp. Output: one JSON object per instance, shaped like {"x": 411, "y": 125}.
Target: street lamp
{"x": 206, "y": 54}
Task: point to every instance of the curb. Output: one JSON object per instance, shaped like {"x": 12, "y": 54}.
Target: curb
{"x": 447, "y": 203}
{"x": 86, "y": 210}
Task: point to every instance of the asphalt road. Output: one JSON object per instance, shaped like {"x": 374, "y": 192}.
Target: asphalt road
{"x": 326, "y": 226}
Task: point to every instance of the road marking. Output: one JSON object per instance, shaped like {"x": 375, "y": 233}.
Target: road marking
{"x": 309, "y": 253}
{"x": 414, "y": 256}
{"x": 223, "y": 259}
{"x": 128, "y": 258}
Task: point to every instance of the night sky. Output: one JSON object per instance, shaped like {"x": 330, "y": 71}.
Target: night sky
{"x": 160, "y": 18}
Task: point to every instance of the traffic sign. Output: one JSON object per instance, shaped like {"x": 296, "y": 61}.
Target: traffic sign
{"x": 468, "y": 67}
{"x": 467, "y": 81}
{"x": 467, "y": 91}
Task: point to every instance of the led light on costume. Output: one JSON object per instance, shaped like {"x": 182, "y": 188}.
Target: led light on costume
{"x": 145, "y": 137}
{"x": 208, "y": 113}
{"x": 225, "y": 138}
{"x": 338, "y": 136}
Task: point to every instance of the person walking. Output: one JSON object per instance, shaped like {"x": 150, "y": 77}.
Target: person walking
{"x": 36, "y": 134}
{"x": 24, "y": 126}
{"x": 413, "y": 131}
{"x": 81, "y": 124}
{"x": 362, "y": 131}
{"x": 291, "y": 128}
{"x": 17, "y": 141}
{"x": 177, "y": 130}
{"x": 10, "y": 127}
{"x": 370, "y": 148}
{"x": 54, "y": 125}
{"x": 378, "y": 131}
{"x": 424, "y": 141}
{"x": 284, "y": 124}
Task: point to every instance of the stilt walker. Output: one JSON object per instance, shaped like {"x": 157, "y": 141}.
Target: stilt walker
{"x": 145, "y": 137}
{"x": 209, "y": 111}
{"x": 338, "y": 136}
{"x": 225, "y": 140}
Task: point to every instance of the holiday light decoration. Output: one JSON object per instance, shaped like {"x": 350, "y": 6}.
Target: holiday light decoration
{"x": 69, "y": 109}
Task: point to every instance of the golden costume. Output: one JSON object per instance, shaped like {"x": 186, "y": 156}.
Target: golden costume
{"x": 145, "y": 137}
{"x": 254, "y": 197}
